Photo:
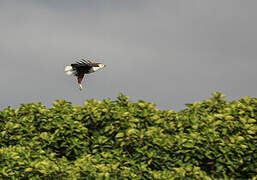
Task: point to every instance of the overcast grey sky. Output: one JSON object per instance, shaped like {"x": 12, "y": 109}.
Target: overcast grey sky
{"x": 168, "y": 52}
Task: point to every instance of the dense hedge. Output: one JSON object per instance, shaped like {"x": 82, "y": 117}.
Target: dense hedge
{"x": 125, "y": 140}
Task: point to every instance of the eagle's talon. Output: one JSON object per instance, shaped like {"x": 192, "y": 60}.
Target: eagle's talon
{"x": 80, "y": 87}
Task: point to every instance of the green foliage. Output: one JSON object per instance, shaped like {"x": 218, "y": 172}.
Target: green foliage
{"x": 120, "y": 139}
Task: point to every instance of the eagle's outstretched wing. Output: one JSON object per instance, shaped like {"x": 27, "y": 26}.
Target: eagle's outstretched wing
{"x": 82, "y": 67}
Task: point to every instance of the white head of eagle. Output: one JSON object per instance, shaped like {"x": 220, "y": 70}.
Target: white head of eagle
{"x": 79, "y": 69}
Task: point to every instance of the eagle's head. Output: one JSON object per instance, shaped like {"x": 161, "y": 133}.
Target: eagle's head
{"x": 101, "y": 65}
{"x": 97, "y": 66}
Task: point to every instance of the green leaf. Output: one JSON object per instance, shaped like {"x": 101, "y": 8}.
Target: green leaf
{"x": 120, "y": 135}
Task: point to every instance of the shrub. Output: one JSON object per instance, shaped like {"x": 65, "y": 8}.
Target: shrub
{"x": 125, "y": 140}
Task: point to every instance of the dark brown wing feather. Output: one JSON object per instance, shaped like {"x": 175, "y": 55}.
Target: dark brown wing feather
{"x": 82, "y": 67}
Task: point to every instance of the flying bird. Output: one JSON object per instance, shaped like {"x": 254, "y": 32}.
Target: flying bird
{"x": 79, "y": 69}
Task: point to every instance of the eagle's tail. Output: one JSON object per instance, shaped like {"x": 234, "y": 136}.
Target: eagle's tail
{"x": 69, "y": 70}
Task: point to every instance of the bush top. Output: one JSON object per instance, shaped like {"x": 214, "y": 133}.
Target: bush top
{"x": 122, "y": 139}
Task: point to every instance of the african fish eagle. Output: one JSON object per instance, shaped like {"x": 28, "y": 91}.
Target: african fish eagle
{"x": 79, "y": 69}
